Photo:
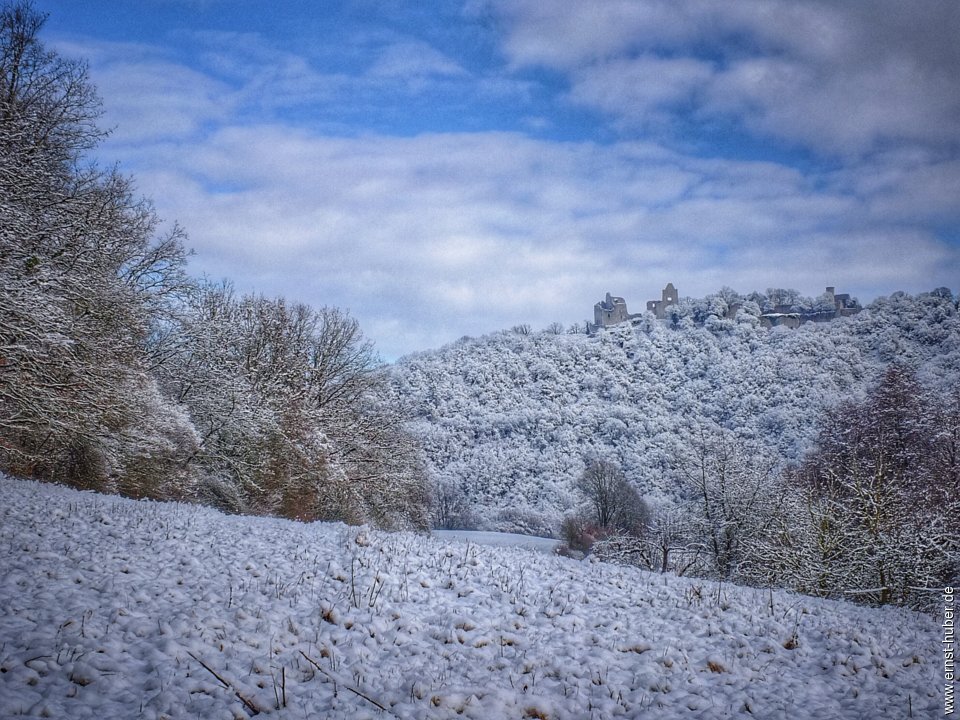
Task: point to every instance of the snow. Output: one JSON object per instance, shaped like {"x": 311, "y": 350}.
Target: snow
{"x": 498, "y": 539}
{"x": 117, "y": 608}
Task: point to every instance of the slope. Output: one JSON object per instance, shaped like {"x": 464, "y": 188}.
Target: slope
{"x": 119, "y": 608}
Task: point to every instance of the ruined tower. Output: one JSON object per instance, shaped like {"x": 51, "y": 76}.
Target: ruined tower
{"x": 668, "y": 297}
{"x": 610, "y": 311}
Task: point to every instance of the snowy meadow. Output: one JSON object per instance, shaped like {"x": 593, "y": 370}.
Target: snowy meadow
{"x": 120, "y": 608}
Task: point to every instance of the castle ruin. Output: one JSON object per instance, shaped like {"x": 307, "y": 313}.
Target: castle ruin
{"x": 668, "y": 297}
{"x": 612, "y": 310}
{"x": 837, "y": 305}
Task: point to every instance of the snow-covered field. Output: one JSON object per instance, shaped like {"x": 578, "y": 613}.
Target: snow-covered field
{"x": 111, "y": 608}
{"x": 498, "y": 539}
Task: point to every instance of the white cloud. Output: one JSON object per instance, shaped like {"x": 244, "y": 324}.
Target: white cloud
{"x": 571, "y": 35}
{"x": 837, "y": 78}
{"x": 151, "y": 97}
{"x": 155, "y": 96}
{"x": 845, "y": 111}
{"x": 639, "y": 87}
{"x": 414, "y": 59}
{"x": 432, "y": 237}
{"x": 160, "y": 100}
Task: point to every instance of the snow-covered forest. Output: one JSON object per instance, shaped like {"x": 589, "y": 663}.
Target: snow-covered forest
{"x": 119, "y": 372}
{"x": 743, "y": 442}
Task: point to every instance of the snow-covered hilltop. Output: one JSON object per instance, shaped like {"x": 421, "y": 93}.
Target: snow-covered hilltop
{"x": 509, "y": 419}
{"x": 118, "y": 608}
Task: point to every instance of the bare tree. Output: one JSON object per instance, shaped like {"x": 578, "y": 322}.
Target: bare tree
{"x": 728, "y": 488}
{"x": 614, "y": 504}
{"x": 673, "y": 542}
{"x": 287, "y": 405}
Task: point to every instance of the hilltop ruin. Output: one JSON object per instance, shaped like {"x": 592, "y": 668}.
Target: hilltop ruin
{"x": 612, "y": 310}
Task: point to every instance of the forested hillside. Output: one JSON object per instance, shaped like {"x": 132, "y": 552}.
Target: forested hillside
{"x": 511, "y": 419}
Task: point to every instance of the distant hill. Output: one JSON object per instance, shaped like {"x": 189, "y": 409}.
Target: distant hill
{"x": 509, "y": 418}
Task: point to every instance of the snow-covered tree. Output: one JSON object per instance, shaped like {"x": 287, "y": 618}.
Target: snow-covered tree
{"x": 119, "y": 373}
{"x": 674, "y": 543}
{"x": 875, "y": 506}
{"x": 288, "y": 405}
{"x": 451, "y": 508}
{"x": 83, "y": 268}
{"x": 613, "y": 504}
{"x": 727, "y": 489}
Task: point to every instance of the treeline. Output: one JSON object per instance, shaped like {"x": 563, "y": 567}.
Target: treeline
{"x": 120, "y": 373}
{"x": 871, "y": 514}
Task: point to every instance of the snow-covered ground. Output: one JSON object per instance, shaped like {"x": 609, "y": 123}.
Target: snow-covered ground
{"x": 498, "y": 539}
{"x": 119, "y": 609}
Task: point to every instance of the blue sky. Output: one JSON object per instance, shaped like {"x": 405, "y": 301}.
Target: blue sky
{"x": 452, "y": 168}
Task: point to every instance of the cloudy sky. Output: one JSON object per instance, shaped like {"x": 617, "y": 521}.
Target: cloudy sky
{"x": 454, "y": 168}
